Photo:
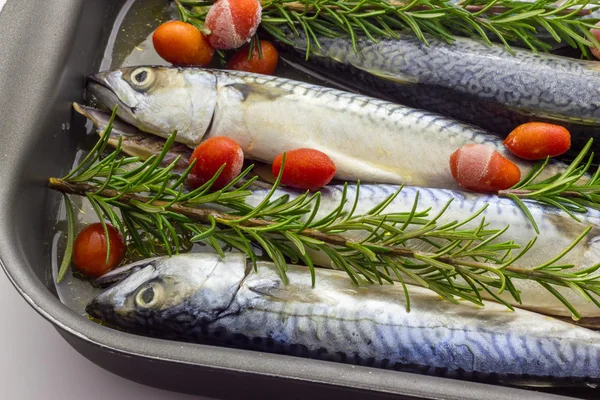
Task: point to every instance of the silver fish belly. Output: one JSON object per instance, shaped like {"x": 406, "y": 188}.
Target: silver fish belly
{"x": 367, "y": 139}
{"x": 198, "y": 297}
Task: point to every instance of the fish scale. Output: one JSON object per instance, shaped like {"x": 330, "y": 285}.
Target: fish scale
{"x": 467, "y": 80}
{"x": 413, "y": 350}
{"x": 367, "y": 327}
{"x": 354, "y": 111}
{"x": 368, "y": 139}
{"x": 557, "y": 231}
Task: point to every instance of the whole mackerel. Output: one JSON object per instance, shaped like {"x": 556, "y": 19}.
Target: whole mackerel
{"x": 469, "y": 80}
{"x": 368, "y": 139}
{"x": 202, "y": 297}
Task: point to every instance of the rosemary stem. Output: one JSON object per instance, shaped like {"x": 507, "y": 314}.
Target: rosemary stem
{"x": 205, "y": 215}
{"x": 301, "y": 7}
{"x": 502, "y": 10}
{"x": 525, "y": 193}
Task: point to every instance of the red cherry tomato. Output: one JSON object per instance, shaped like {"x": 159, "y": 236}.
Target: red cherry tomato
{"x": 260, "y": 65}
{"x": 305, "y": 169}
{"x": 480, "y": 168}
{"x": 210, "y": 155}
{"x": 232, "y": 22}
{"x": 596, "y": 33}
{"x": 90, "y": 248}
{"x": 181, "y": 43}
{"x": 538, "y": 140}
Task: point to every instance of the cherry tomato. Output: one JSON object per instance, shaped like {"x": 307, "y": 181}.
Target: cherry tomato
{"x": 210, "y": 155}
{"x": 260, "y": 65}
{"x": 538, "y": 140}
{"x": 232, "y": 22}
{"x": 90, "y": 248}
{"x": 305, "y": 169}
{"x": 596, "y": 33}
{"x": 480, "y": 168}
{"x": 181, "y": 43}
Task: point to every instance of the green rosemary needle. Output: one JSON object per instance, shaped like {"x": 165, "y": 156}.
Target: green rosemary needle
{"x": 506, "y": 21}
{"x": 574, "y": 191}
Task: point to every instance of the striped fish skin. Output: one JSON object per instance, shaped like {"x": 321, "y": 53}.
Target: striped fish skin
{"x": 557, "y": 231}
{"x": 367, "y": 139}
{"x": 471, "y": 81}
{"x": 201, "y": 297}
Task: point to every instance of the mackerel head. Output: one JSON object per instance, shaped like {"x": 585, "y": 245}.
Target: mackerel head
{"x": 162, "y": 296}
{"x": 159, "y": 100}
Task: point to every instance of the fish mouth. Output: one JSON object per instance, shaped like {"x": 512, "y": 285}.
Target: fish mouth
{"x": 101, "y": 118}
{"x": 100, "y": 310}
{"x": 90, "y": 113}
{"x": 97, "y": 85}
{"x": 96, "y": 310}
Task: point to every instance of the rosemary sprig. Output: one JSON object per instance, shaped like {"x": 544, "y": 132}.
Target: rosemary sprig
{"x": 159, "y": 215}
{"x": 504, "y": 21}
{"x": 573, "y": 191}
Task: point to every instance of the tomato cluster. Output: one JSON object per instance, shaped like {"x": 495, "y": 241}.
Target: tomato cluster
{"x": 482, "y": 169}
{"x": 229, "y": 25}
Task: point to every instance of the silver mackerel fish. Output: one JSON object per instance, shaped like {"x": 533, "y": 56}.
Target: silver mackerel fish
{"x": 368, "y": 139}
{"x": 202, "y": 297}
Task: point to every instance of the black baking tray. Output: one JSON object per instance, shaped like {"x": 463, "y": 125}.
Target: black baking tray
{"x": 46, "y": 50}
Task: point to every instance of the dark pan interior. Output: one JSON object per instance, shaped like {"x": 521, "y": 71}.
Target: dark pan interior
{"x": 46, "y": 49}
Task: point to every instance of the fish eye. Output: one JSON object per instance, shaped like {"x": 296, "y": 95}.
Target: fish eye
{"x": 142, "y": 78}
{"x": 149, "y": 295}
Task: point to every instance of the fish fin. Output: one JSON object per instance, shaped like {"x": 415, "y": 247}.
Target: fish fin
{"x": 394, "y": 77}
{"x": 255, "y": 91}
{"x": 288, "y": 293}
{"x": 545, "y": 116}
{"x": 323, "y": 74}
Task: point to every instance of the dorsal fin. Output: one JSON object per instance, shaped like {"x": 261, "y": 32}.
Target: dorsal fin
{"x": 288, "y": 293}
{"x": 254, "y": 91}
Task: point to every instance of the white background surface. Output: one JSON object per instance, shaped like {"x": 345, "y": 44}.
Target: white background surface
{"x": 36, "y": 363}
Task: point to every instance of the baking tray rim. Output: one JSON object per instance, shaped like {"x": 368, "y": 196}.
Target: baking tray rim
{"x": 50, "y": 45}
